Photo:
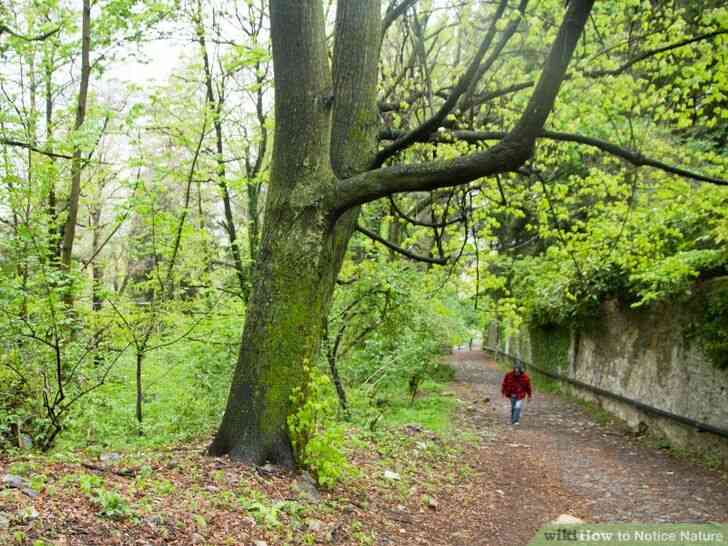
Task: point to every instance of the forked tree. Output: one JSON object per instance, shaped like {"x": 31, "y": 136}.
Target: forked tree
{"x": 326, "y": 164}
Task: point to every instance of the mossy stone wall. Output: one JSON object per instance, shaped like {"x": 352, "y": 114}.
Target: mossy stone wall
{"x": 663, "y": 355}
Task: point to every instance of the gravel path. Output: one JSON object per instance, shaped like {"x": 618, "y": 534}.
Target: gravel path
{"x": 560, "y": 461}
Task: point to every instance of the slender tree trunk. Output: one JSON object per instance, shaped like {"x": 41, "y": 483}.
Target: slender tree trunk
{"x": 336, "y": 378}
{"x": 97, "y": 275}
{"x": 139, "y": 392}
{"x": 253, "y": 190}
{"x": 332, "y": 350}
{"x": 97, "y": 271}
{"x": 254, "y": 170}
{"x": 69, "y": 232}
{"x": 53, "y": 225}
{"x": 216, "y": 105}
{"x": 228, "y": 207}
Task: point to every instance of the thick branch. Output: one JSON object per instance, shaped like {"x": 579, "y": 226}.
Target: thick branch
{"x": 506, "y": 156}
{"x": 632, "y": 156}
{"x": 374, "y": 237}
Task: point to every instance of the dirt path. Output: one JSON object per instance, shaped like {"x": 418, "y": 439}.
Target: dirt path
{"x": 560, "y": 461}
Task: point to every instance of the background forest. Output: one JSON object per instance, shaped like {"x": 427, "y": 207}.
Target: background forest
{"x": 135, "y": 142}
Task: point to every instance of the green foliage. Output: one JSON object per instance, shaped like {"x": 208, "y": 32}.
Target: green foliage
{"x": 432, "y": 411}
{"x": 268, "y": 513}
{"x": 711, "y": 330}
{"x": 394, "y": 324}
{"x": 111, "y": 504}
{"x": 541, "y": 249}
{"x": 184, "y": 384}
{"x": 675, "y": 275}
{"x": 658, "y": 246}
{"x": 549, "y": 351}
{"x": 89, "y": 482}
{"x": 318, "y": 440}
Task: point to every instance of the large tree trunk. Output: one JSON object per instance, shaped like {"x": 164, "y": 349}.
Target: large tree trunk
{"x": 294, "y": 273}
{"x": 303, "y": 244}
{"x": 294, "y": 282}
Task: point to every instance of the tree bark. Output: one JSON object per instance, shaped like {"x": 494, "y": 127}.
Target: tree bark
{"x": 294, "y": 273}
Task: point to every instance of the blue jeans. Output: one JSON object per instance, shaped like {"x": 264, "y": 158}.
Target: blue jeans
{"x": 516, "y": 406}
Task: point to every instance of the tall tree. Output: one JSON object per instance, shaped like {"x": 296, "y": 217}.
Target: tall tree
{"x": 69, "y": 230}
{"x": 324, "y": 148}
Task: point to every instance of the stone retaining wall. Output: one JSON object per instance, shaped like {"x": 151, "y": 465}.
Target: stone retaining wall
{"x": 650, "y": 355}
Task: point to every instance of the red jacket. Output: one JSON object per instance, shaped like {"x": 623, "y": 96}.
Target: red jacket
{"x": 519, "y": 385}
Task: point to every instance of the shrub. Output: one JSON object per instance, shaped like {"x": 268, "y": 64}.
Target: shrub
{"x": 318, "y": 440}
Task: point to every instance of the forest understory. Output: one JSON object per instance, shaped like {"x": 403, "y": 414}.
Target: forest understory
{"x": 479, "y": 481}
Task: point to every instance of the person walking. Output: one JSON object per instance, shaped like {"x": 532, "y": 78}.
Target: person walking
{"x": 516, "y": 386}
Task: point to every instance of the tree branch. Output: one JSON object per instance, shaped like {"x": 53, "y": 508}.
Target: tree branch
{"x": 506, "y": 156}
{"x": 374, "y": 237}
{"x": 505, "y": 38}
{"x": 631, "y": 156}
{"x": 482, "y": 98}
{"x": 27, "y": 146}
{"x": 652, "y": 53}
{"x": 394, "y": 11}
{"x": 38, "y": 38}
{"x": 416, "y": 222}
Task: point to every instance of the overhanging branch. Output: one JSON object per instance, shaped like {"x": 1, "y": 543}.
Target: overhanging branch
{"x": 506, "y": 156}
{"x": 631, "y": 156}
{"x": 27, "y": 146}
{"x": 38, "y": 38}
{"x": 404, "y": 252}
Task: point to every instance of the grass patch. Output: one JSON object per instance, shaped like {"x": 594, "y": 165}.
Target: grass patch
{"x": 433, "y": 411}
{"x": 392, "y": 406}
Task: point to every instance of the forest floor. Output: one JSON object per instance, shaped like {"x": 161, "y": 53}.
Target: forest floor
{"x": 485, "y": 483}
